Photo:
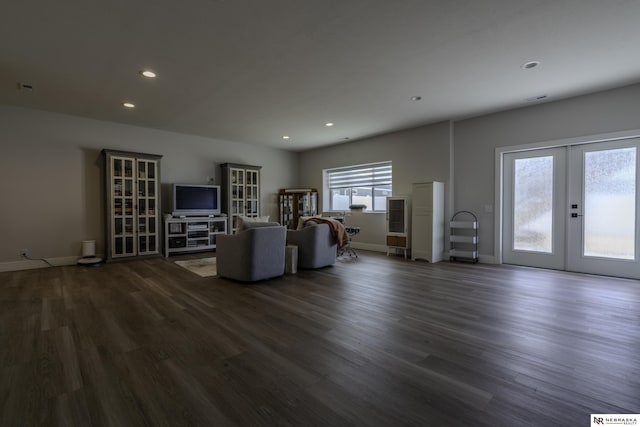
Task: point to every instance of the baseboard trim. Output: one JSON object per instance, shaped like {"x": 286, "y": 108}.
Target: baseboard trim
{"x": 482, "y": 259}
{"x": 369, "y": 247}
{"x": 31, "y": 264}
{"x": 487, "y": 259}
{"x": 72, "y": 260}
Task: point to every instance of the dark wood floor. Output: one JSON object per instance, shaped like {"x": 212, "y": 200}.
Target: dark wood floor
{"x": 378, "y": 342}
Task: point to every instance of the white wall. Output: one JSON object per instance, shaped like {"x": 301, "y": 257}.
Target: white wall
{"x": 51, "y": 180}
{"x": 52, "y": 184}
{"x": 476, "y": 139}
{"x": 418, "y": 155}
{"x": 422, "y": 154}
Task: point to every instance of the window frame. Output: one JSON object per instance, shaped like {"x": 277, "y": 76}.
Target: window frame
{"x": 371, "y": 176}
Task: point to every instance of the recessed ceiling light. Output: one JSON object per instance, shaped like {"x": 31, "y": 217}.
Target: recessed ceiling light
{"x": 128, "y": 104}
{"x": 328, "y": 124}
{"x": 529, "y": 65}
{"x": 148, "y": 73}
{"x": 285, "y": 137}
{"x": 416, "y": 98}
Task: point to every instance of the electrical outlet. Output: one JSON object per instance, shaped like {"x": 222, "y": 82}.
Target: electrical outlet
{"x": 25, "y": 253}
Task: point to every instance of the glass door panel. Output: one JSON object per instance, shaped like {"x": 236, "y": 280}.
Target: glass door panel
{"x": 118, "y": 247}
{"x": 129, "y": 245}
{"x": 610, "y": 192}
{"x": 142, "y": 244}
{"x": 117, "y": 167}
{"x": 604, "y": 224}
{"x": 142, "y": 207}
{"x": 117, "y": 226}
{"x": 239, "y": 176}
{"x": 128, "y": 187}
{"x": 395, "y": 213}
{"x": 128, "y": 225}
{"x": 533, "y": 204}
{"x": 128, "y": 168}
{"x": 128, "y": 207}
{"x": 534, "y": 198}
{"x": 117, "y": 187}
{"x": 117, "y": 207}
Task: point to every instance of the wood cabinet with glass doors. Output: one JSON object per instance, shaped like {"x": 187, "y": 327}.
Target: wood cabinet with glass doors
{"x": 295, "y": 203}
{"x": 240, "y": 192}
{"x": 132, "y": 204}
{"x": 398, "y": 224}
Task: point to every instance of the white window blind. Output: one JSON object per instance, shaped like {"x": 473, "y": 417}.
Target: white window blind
{"x": 367, "y": 185}
{"x": 373, "y": 175}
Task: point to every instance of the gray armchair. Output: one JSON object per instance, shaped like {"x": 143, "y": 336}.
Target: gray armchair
{"x": 316, "y": 245}
{"x": 251, "y": 255}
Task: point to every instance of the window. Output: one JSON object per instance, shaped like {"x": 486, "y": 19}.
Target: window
{"x": 367, "y": 185}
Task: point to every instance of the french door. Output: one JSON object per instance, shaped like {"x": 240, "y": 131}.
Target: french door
{"x": 574, "y": 208}
{"x": 534, "y": 218}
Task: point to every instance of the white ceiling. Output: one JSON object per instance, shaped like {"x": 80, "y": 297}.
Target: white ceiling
{"x": 255, "y": 70}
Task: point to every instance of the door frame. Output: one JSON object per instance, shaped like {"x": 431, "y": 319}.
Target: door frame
{"x": 593, "y": 264}
{"x": 556, "y": 259}
{"x": 499, "y": 172}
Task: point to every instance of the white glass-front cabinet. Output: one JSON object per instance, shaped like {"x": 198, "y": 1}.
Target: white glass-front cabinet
{"x": 132, "y": 204}
{"x": 240, "y": 192}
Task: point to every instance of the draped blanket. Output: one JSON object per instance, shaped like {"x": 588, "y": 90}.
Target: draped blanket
{"x": 337, "y": 229}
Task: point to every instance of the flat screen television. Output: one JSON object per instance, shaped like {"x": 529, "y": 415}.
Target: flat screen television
{"x": 196, "y": 200}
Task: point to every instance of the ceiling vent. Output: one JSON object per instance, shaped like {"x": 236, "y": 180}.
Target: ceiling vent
{"x": 25, "y": 87}
{"x": 536, "y": 98}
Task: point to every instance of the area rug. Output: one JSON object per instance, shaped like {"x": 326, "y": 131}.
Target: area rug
{"x": 203, "y": 267}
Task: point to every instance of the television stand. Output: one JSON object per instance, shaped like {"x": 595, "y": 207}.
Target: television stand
{"x": 192, "y": 234}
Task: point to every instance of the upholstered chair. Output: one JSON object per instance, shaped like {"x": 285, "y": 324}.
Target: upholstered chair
{"x": 316, "y": 245}
{"x": 252, "y": 254}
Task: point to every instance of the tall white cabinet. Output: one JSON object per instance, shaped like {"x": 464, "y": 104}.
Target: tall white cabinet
{"x": 132, "y": 204}
{"x": 240, "y": 192}
{"x": 427, "y": 221}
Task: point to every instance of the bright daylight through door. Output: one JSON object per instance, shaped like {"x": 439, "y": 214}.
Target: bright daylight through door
{"x": 610, "y": 203}
{"x": 573, "y": 208}
{"x": 533, "y": 204}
